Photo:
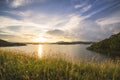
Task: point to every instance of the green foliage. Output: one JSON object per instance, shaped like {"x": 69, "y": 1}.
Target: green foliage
{"x": 109, "y": 46}
{"x": 18, "y": 66}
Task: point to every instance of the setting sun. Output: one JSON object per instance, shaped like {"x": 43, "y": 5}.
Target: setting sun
{"x": 40, "y": 39}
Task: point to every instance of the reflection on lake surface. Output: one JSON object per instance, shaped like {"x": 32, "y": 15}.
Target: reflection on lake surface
{"x": 77, "y": 52}
{"x": 40, "y": 51}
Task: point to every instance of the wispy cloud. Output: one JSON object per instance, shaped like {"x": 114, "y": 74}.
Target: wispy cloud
{"x": 17, "y": 27}
{"x": 112, "y": 19}
{"x": 18, "y": 3}
{"x": 86, "y": 8}
{"x": 110, "y": 23}
{"x": 19, "y": 13}
{"x": 7, "y": 1}
{"x": 79, "y": 6}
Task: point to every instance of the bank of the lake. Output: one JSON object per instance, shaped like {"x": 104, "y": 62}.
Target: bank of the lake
{"x": 17, "y": 65}
{"x": 109, "y": 46}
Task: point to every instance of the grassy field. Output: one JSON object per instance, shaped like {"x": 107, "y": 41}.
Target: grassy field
{"x": 18, "y": 66}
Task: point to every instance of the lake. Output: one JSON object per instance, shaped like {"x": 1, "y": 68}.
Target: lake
{"x": 75, "y": 52}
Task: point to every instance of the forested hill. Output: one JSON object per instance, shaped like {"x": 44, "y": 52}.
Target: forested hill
{"x": 4, "y": 43}
{"x": 110, "y": 45}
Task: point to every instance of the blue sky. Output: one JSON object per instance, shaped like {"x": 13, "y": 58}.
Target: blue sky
{"x": 58, "y": 20}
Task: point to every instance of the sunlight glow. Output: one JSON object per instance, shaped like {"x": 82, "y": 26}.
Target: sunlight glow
{"x": 40, "y": 39}
{"x": 40, "y": 51}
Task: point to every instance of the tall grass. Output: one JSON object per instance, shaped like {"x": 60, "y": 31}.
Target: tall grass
{"x": 15, "y": 65}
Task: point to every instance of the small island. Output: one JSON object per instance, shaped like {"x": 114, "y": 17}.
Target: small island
{"x": 109, "y": 46}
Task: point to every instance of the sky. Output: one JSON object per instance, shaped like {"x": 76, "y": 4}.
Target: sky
{"x": 58, "y": 20}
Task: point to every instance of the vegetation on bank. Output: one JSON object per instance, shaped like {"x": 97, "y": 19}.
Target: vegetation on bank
{"x": 109, "y": 46}
{"x": 15, "y": 65}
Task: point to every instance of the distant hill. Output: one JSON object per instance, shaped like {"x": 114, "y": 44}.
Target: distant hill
{"x": 61, "y": 43}
{"x": 109, "y": 46}
{"x": 4, "y": 43}
{"x": 73, "y": 42}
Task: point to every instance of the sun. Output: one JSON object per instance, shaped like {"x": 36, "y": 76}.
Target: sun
{"x": 40, "y": 39}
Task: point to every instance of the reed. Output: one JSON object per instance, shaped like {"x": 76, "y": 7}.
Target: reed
{"x": 16, "y": 65}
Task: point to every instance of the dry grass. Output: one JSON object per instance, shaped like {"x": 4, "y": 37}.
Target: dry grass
{"x": 15, "y": 65}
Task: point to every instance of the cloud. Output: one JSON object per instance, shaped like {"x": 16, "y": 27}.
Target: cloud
{"x": 112, "y": 19}
{"x": 37, "y": 17}
{"x": 1, "y": 31}
{"x": 18, "y": 3}
{"x": 116, "y": 29}
{"x": 83, "y": 6}
{"x": 18, "y": 27}
{"x": 58, "y": 35}
{"x": 7, "y": 21}
{"x": 55, "y": 32}
{"x": 44, "y": 21}
{"x": 73, "y": 27}
{"x": 29, "y": 35}
{"x": 14, "y": 28}
{"x": 15, "y": 38}
{"x": 81, "y": 28}
{"x": 6, "y": 36}
{"x": 79, "y": 6}
{"x": 29, "y": 25}
{"x": 11, "y": 37}
{"x": 21, "y": 14}
{"x": 90, "y": 31}
{"x": 76, "y": 28}
{"x": 73, "y": 21}
{"x": 86, "y": 8}
{"x": 111, "y": 23}
{"x": 7, "y": 1}
{"x": 95, "y": 12}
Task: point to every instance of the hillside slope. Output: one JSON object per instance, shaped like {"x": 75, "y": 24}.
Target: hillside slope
{"x": 109, "y": 46}
{"x": 4, "y": 43}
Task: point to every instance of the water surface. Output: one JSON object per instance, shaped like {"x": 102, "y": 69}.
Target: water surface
{"x": 76, "y": 52}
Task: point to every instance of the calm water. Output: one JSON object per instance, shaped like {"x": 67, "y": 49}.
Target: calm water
{"x": 77, "y": 52}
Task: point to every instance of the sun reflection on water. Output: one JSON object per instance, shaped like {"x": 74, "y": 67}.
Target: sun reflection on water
{"x": 40, "y": 51}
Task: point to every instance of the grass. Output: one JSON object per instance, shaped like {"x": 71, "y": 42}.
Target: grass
{"x": 15, "y": 65}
